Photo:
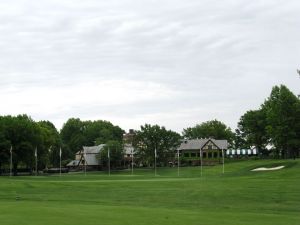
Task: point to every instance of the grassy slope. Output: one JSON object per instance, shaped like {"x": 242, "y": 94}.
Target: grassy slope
{"x": 238, "y": 197}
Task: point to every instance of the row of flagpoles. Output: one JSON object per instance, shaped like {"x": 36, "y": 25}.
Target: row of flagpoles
{"x": 36, "y": 160}
{"x": 178, "y": 161}
{"x": 108, "y": 156}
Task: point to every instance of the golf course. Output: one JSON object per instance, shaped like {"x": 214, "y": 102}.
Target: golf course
{"x": 240, "y": 196}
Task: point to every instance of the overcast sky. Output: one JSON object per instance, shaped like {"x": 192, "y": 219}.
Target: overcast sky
{"x": 169, "y": 62}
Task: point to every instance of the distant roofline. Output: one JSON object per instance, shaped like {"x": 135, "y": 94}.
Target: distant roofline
{"x": 197, "y": 144}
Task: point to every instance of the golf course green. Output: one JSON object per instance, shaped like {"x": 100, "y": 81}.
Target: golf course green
{"x": 237, "y": 197}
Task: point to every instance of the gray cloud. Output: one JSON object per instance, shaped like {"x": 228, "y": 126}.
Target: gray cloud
{"x": 169, "y": 62}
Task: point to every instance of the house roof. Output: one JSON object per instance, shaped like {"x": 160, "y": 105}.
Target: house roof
{"x": 90, "y": 153}
{"x": 197, "y": 144}
{"x": 93, "y": 149}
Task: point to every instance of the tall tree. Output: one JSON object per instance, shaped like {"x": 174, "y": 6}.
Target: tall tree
{"x": 24, "y": 136}
{"x": 115, "y": 154}
{"x": 252, "y": 129}
{"x": 4, "y": 144}
{"x": 72, "y": 136}
{"x": 154, "y": 137}
{"x": 283, "y": 120}
{"x": 76, "y": 133}
{"x": 210, "y": 129}
{"x": 100, "y": 131}
{"x": 51, "y": 143}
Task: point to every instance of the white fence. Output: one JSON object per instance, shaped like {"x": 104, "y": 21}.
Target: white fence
{"x": 242, "y": 152}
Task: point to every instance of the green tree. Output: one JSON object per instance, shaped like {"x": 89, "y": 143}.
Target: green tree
{"x": 116, "y": 154}
{"x": 210, "y": 129}
{"x": 283, "y": 120}
{"x": 252, "y": 129}
{"x": 4, "y": 145}
{"x": 72, "y": 136}
{"x": 100, "y": 131}
{"x": 154, "y": 137}
{"x": 24, "y": 136}
{"x": 76, "y": 133}
{"x": 51, "y": 143}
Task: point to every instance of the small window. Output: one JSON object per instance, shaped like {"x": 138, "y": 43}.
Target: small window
{"x": 186, "y": 155}
{"x": 204, "y": 155}
{"x": 193, "y": 154}
{"x": 215, "y": 155}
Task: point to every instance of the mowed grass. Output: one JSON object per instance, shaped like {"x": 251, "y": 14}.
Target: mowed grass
{"x": 238, "y": 197}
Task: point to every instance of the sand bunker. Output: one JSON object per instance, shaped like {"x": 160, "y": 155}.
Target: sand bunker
{"x": 268, "y": 169}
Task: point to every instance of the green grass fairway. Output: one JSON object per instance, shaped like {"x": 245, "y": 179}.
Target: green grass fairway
{"x": 239, "y": 197}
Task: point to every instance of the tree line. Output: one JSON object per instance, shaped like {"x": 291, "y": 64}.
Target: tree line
{"x": 275, "y": 125}
{"x": 274, "y": 129}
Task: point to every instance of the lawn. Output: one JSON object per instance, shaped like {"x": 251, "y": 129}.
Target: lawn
{"x": 238, "y": 197}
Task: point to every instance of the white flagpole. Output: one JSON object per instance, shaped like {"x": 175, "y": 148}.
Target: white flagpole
{"x": 49, "y": 152}
{"x": 131, "y": 160}
{"x": 178, "y": 162}
{"x": 60, "y": 161}
{"x": 201, "y": 161}
{"x": 10, "y": 173}
{"x": 84, "y": 162}
{"x": 36, "y": 169}
{"x": 223, "y": 161}
{"x": 108, "y": 155}
{"x": 155, "y": 154}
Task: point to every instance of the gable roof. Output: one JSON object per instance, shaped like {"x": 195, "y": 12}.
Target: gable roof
{"x": 197, "y": 144}
{"x": 93, "y": 149}
{"x": 90, "y": 154}
{"x": 221, "y": 144}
